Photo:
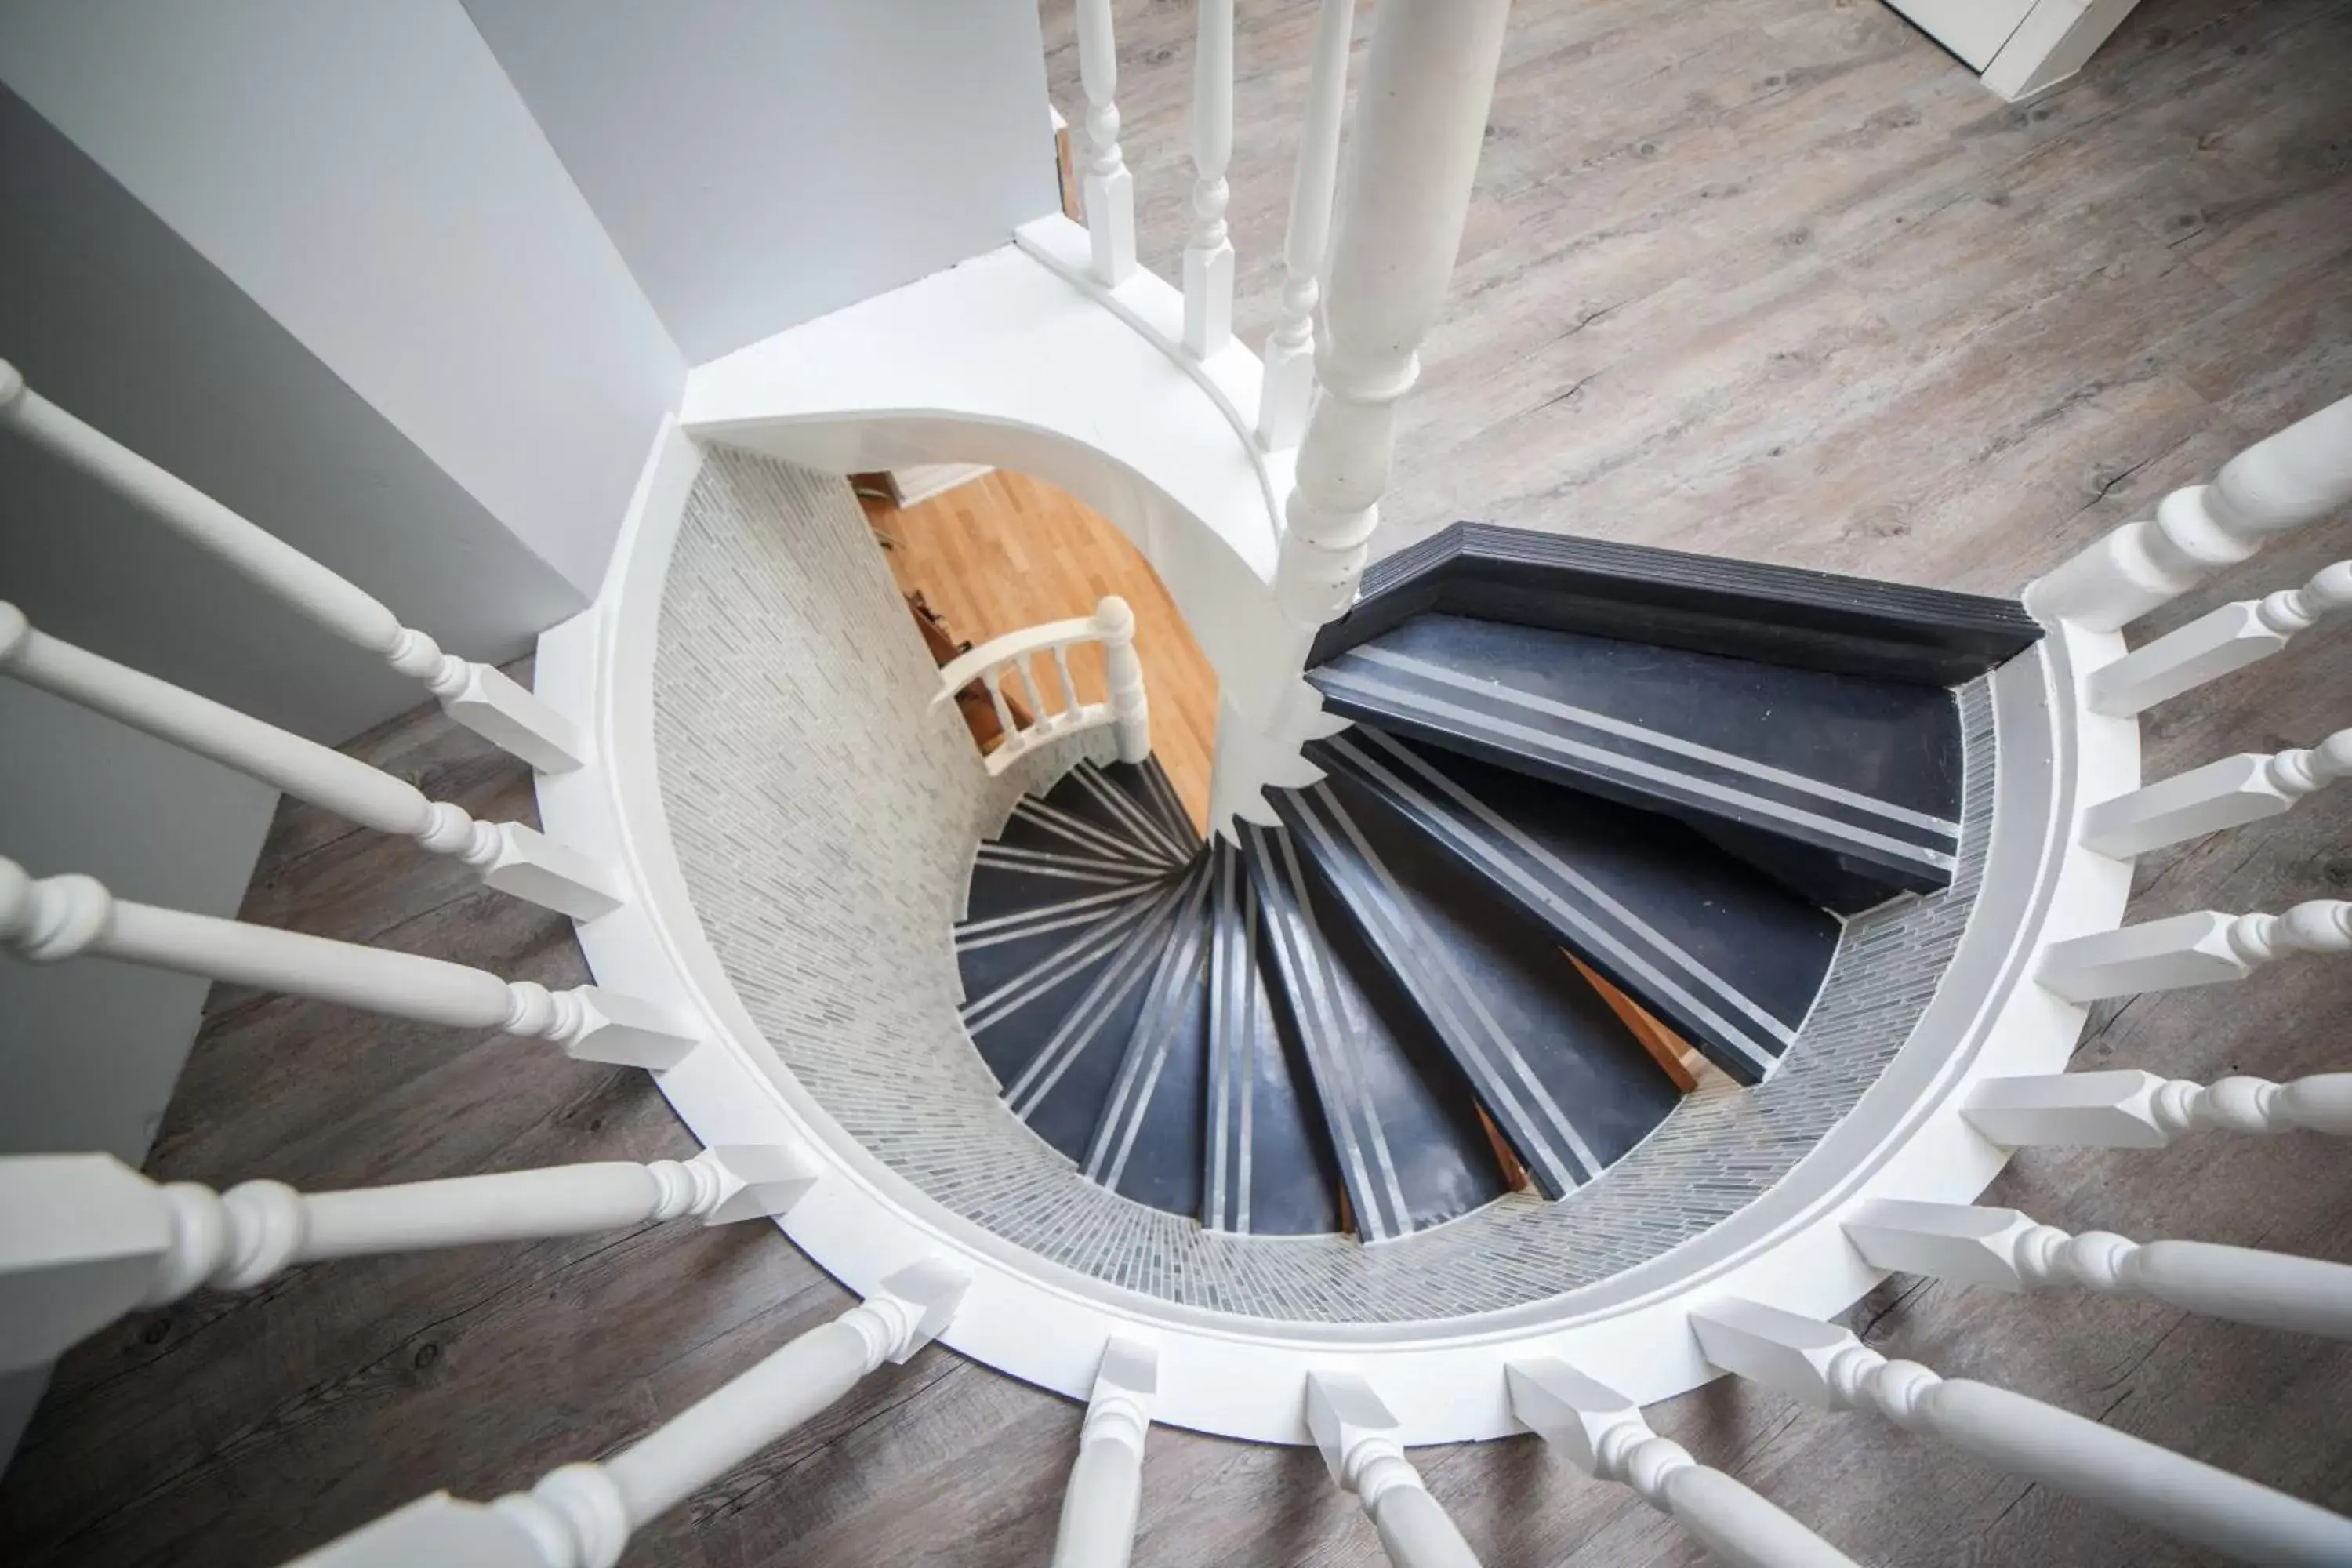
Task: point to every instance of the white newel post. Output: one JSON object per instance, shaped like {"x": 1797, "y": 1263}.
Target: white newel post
{"x": 1421, "y": 118}
{"x": 474, "y": 694}
{"x": 506, "y": 855}
{"x": 1289, "y": 373}
{"x": 2190, "y": 949}
{"x": 1108, "y": 189}
{"x": 1603, "y": 1433}
{"x": 1131, "y": 707}
{"x": 1357, "y": 1436}
{"x": 1097, "y": 1528}
{"x": 2231, "y": 638}
{"x": 1208, "y": 251}
{"x": 2225, "y": 794}
{"x": 84, "y": 1238}
{"x": 1826, "y": 1366}
{"x": 59, "y": 916}
{"x": 582, "y": 1515}
{"x": 2007, "y": 1251}
{"x": 2127, "y": 1109}
{"x": 2298, "y": 475}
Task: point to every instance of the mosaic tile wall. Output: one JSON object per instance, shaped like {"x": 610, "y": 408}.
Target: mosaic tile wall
{"x": 825, "y": 816}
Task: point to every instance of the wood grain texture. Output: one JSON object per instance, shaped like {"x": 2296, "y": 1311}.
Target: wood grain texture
{"x": 1773, "y": 280}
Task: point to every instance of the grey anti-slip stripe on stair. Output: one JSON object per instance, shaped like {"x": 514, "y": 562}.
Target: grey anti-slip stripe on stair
{"x": 1051, "y": 970}
{"x": 1662, "y": 781}
{"x": 1069, "y": 868}
{"x": 1233, "y": 1046}
{"x": 1664, "y": 968}
{"x": 1181, "y": 962}
{"x": 1173, "y": 809}
{"x": 1077, "y": 1031}
{"x": 1078, "y": 831}
{"x": 1146, "y": 828}
{"x": 1039, "y": 921}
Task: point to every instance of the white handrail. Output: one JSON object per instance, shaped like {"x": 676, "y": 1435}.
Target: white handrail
{"x": 1098, "y": 1510}
{"x": 2134, "y": 1110}
{"x": 1356, "y": 1434}
{"x": 1209, "y": 250}
{"x": 476, "y": 694}
{"x": 1127, "y": 711}
{"x": 2190, "y": 949}
{"x": 1107, "y": 189}
{"x": 1289, "y": 373}
{"x": 84, "y": 1238}
{"x": 2225, "y": 794}
{"x": 507, "y": 856}
{"x": 59, "y": 916}
{"x": 582, "y": 1515}
{"x": 2211, "y": 647}
{"x": 2298, "y": 475}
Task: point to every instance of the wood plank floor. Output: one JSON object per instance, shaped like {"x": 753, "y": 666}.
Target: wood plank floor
{"x": 1771, "y": 279}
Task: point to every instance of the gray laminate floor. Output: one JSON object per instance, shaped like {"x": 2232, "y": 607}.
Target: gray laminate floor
{"x": 1774, "y": 280}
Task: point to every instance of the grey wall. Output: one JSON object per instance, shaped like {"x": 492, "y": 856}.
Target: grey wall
{"x": 759, "y": 164}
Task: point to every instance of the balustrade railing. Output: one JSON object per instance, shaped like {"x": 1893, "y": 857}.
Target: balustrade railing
{"x": 1358, "y": 1439}
{"x": 59, "y": 916}
{"x": 2133, "y": 1110}
{"x": 2225, "y": 794}
{"x": 1108, "y": 188}
{"x": 1097, "y": 1525}
{"x": 1126, "y": 711}
{"x": 84, "y": 1238}
{"x": 2190, "y": 949}
{"x": 1289, "y": 368}
{"x": 1209, "y": 250}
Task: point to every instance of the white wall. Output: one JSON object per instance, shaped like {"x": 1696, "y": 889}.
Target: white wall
{"x": 368, "y": 175}
{"x": 759, "y": 164}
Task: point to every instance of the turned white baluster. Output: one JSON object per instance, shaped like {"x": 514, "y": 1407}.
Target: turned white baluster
{"x": 1209, "y": 250}
{"x": 474, "y": 694}
{"x": 506, "y": 855}
{"x": 84, "y": 1238}
{"x": 59, "y": 916}
{"x": 1130, "y": 709}
{"x": 2231, "y": 638}
{"x": 1824, "y": 1366}
{"x": 1069, "y": 686}
{"x": 2127, "y": 1109}
{"x": 1109, "y": 190}
{"x": 582, "y": 1515}
{"x": 2295, "y": 477}
{"x": 1097, "y": 1528}
{"x": 1357, "y": 1436}
{"x": 2005, "y": 1250}
{"x": 1602, "y": 1432}
{"x": 2190, "y": 949}
{"x": 1421, "y": 118}
{"x": 2227, "y": 793}
{"x": 1289, "y": 377}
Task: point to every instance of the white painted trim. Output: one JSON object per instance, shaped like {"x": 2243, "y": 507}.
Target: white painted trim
{"x": 918, "y": 483}
{"x": 2053, "y": 42}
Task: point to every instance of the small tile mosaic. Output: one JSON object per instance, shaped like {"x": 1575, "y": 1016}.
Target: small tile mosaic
{"x": 825, "y": 816}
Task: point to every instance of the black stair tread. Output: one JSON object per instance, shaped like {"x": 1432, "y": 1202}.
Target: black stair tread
{"x": 995, "y": 951}
{"x": 1863, "y": 769}
{"x": 1012, "y": 1014}
{"x": 1266, "y": 1161}
{"x": 1566, "y": 1083}
{"x": 1147, "y": 1140}
{"x": 1008, "y": 879}
{"x": 1112, "y": 801}
{"x": 1720, "y": 952}
{"x": 1146, "y": 782}
{"x": 1052, "y": 826}
{"x": 1404, "y": 1129}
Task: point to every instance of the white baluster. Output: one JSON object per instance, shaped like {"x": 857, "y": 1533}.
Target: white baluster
{"x": 1208, "y": 251}
{"x": 1357, "y": 1439}
{"x": 84, "y": 1238}
{"x": 507, "y": 856}
{"x": 2190, "y": 949}
{"x": 1421, "y": 118}
{"x": 1825, "y": 1366}
{"x": 1109, "y": 190}
{"x": 58, "y": 917}
{"x": 1069, "y": 686}
{"x": 2298, "y": 475}
{"x": 1130, "y": 709}
{"x": 474, "y": 694}
{"x": 1097, "y": 1528}
{"x": 1290, "y": 383}
{"x": 582, "y": 1515}
{"x": 1038, "y": 711}
{"x": 2127, "y": 1109}
{"x": 1602, "y": 1433}
{"x": 2226, "y": 794}
{"x": 2004, "y": 1250}
{"x": 2231, "y": 638}
{"x": 995, "y": 681}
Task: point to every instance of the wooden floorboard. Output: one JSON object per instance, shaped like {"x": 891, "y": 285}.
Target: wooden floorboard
{"x": 1775, "y": 280}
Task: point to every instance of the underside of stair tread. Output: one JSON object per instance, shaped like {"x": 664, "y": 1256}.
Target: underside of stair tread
{"x": 1404, "y": 1130}
{"x": 1567, "y": 1085}
{"x": 1723, "y": 954}
{"x": 1864, "y": 774}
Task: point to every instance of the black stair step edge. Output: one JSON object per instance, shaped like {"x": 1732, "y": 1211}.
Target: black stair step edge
{"x": 1049, "y": 960}
{"x": 1001, "y": 950}
{"x": 1007, "y": 880}
{"x": 1751, "y": 609}
{"x": 1108, "y": 797}
{"x": 1146, "y": 782}
{"x": 1404, "y": 1128}
{"x": 1148, "y": 1133}
{"x": 1889, "y": 863}
{"x": 1266, "y": 1164}
{"x": 1060, "y": 1090}
{"x": 1053, "y": 827}
{"x": 1722, "y": 953}
{"x": 1565, "y": 1082}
